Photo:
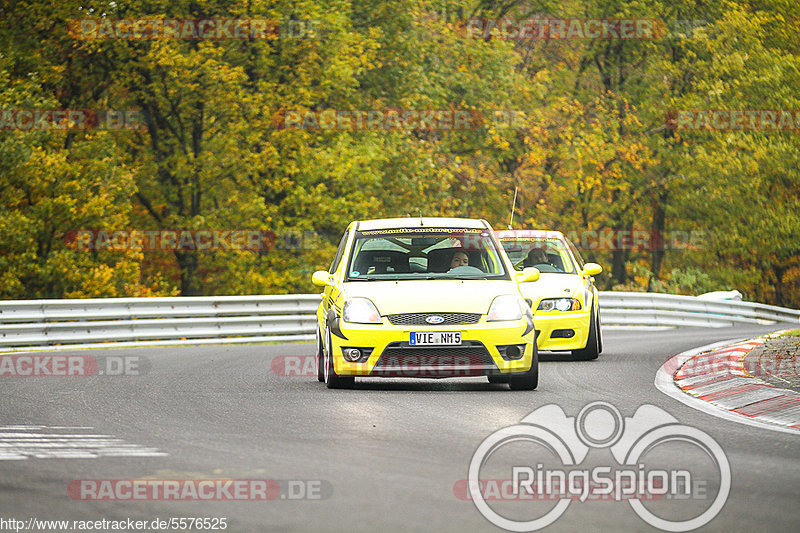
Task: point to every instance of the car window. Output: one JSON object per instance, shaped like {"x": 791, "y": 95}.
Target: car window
{"x": 425, "y": 253}
{"x": 576, "y": 254}
{"x": 549, "y": 255}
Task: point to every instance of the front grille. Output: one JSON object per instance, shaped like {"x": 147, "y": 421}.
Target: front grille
{"x": 479, "y": 353}
{"x": 401, "y": 360}
{"x": 418, "y": 319}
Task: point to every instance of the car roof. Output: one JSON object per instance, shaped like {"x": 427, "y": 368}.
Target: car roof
{"x": 511, "y": 234}
{"x": 416, "y": 222}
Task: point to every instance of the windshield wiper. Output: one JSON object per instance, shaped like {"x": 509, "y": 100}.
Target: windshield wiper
{"x": 365, "y": 278}
{"x": 484, "y": 276}
{"x": 401, "y": 279}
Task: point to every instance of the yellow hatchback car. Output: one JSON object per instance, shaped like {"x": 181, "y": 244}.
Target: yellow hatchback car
{"x": 564, "y": 299}
{"x": 424, "y": 298}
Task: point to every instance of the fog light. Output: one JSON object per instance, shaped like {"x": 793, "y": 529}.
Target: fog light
{"x": 352, "y": 354}
{"x": 511, "y": 352}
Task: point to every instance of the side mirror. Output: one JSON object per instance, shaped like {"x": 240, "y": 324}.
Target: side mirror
{"x": 528, "y": 274}
{"x": 321, "y": 278}
{"x": 592, "y": 269}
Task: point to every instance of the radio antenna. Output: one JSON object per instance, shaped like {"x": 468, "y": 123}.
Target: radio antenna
{"x": 513, "y": 205}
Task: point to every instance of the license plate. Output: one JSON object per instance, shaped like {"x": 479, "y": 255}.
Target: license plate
{"x": 435, "y": 338}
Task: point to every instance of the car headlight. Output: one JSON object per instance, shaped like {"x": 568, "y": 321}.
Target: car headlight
{"x": 561, "y": 304}
{"x": 361, "y": 311}
{"x": 506, "y": 307}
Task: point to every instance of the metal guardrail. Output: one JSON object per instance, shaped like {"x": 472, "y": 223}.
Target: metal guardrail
{"x": 122, "y": 322}
{"x": 672, "y": 310}
{"x": 118, "y": 322}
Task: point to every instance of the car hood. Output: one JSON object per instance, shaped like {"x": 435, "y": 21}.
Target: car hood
{"x": 430, "y": 296}
{"x": 553, "y": 286}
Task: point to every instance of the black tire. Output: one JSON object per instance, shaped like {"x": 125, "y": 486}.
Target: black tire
{"x": 527, "y": 380}
{"x": 599, "y": 334}
{"x": 333, "y": 381}
{"x": 320, "y": 360}
{"x": 592, "y": 349}
{"x": 498, "y": 379}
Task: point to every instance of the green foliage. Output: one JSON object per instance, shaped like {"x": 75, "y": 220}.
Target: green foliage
{"x": 592, "y": 153}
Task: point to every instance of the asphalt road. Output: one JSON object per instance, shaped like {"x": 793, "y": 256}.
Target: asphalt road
{"x": 386, "y": 455}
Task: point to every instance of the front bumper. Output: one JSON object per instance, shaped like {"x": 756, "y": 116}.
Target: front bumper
{"x": 548, "y": 323}
{"x": 392, "y": 355}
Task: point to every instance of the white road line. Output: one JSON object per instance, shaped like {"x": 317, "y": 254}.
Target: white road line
{"x": 19, "y": 442}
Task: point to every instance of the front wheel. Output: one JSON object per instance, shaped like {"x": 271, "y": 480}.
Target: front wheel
{"x": 320, "y": 360}
{"x": 527, "y": 380}
{"x": 333, "y": 381}
{"x": 592, "y": 349}
{"x": 599, "y": 334}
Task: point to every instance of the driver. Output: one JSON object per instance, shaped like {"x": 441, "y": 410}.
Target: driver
{"x": 459, "y": 259}
{"x": 536, "y": 256}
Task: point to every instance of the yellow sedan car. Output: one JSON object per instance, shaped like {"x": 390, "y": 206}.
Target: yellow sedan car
{"x": 424, "y": 298}
{"x": 564, "y": 299}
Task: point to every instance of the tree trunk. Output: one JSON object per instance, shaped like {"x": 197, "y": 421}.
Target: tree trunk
{"x": 188, "y": 263}
{"x": 778, "y": 271}
{"x": 657, "y": 234}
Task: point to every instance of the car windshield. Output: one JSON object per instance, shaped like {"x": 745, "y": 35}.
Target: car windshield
{"x": 549, "y": 255}
{"x": 424, "y": 253}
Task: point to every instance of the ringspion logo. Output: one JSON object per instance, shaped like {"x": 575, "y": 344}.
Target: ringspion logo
{"x": 652, "y": 466}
